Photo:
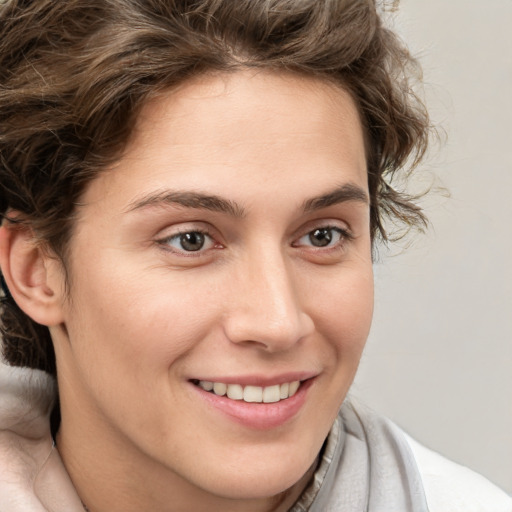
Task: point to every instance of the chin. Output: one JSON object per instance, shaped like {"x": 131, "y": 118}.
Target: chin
{"x": 270, "y": 478}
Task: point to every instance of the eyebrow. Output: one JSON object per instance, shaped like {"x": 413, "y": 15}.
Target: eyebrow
{"x": 347, "y": 192}
{"x": 198, "y": 200}
{"x": 195, "y": 200}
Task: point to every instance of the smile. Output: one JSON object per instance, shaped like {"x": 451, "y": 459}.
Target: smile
{"x": 251, "y": 394}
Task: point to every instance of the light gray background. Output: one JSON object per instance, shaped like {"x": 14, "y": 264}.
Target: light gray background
{"x": 439, "y": 358}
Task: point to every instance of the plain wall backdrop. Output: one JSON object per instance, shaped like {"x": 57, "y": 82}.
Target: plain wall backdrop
{"x": 439, "y": 358}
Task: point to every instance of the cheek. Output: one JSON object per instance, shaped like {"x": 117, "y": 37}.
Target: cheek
{"x": 344, "y": 324}
{"x": 141, "y": 321}
{"x": 345, "y": 308}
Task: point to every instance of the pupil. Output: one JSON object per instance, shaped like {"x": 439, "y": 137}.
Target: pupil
{"x": 192, "y": 241}
{"x": 321, "y": 237}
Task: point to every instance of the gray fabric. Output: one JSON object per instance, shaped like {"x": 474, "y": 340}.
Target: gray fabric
{"x": 366, "y": 466}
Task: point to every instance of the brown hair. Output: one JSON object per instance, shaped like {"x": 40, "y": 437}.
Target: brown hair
{"x": 74, "y": 75}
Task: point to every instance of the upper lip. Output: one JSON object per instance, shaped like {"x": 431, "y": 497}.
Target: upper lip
{"x": 259, "y": 380}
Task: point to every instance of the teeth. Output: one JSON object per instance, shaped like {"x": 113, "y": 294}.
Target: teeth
{"x": 206, "y": 385}
{"x": 294, "y": 386}
{"x": 271, "y": 394}
{"x": 252, "y": 394}
{"x": 235, "y": 392}
{"x": 219, "y": 388}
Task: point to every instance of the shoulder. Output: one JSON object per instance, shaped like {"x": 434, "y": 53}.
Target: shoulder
{"x": 450, "y": 487}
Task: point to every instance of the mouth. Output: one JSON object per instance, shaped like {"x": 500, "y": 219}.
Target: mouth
{"x": 251, "y": 394}
{"x": 256, "y": 407}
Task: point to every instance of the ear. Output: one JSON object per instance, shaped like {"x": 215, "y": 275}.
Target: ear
{"x": 35, "y": 280}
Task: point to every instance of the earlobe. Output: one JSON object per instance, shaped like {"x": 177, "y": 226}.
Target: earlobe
{"x": 26, "y": 271}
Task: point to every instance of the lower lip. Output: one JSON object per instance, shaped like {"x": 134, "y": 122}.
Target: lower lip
{"x": 261, "y": 416}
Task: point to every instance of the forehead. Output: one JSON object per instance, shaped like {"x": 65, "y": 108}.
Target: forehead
{"x": 260, "y": 128}
{"x": 245, "y": 95}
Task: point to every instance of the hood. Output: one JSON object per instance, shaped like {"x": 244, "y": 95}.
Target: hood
{"x": 32, "y": 476}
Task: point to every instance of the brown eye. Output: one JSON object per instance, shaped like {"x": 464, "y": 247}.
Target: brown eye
{"x": 189, "y": 241}
{"x": 193, "y": 241}
{"x": 322, "y": 237}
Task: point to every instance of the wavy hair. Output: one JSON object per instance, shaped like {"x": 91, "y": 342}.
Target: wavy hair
{"x": 75, "y": 74}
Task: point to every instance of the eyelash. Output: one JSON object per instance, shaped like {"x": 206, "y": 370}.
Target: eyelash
{"x": 166, "y": 242}
{"x": 344, "y": 236}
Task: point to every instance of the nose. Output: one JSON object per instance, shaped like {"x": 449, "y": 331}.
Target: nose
{"x": 266, "y": 309}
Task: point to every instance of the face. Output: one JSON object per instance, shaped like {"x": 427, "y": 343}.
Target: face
{"x": 229, "y": 248}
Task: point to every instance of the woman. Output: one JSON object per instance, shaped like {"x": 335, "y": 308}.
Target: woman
{"x": 190, "y": 195}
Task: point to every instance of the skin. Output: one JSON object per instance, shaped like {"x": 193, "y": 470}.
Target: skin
{"x": 143, "y": 316}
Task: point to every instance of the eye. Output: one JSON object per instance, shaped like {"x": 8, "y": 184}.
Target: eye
{"x": 323, "y": 237}
{"x": 189, "y": 241}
